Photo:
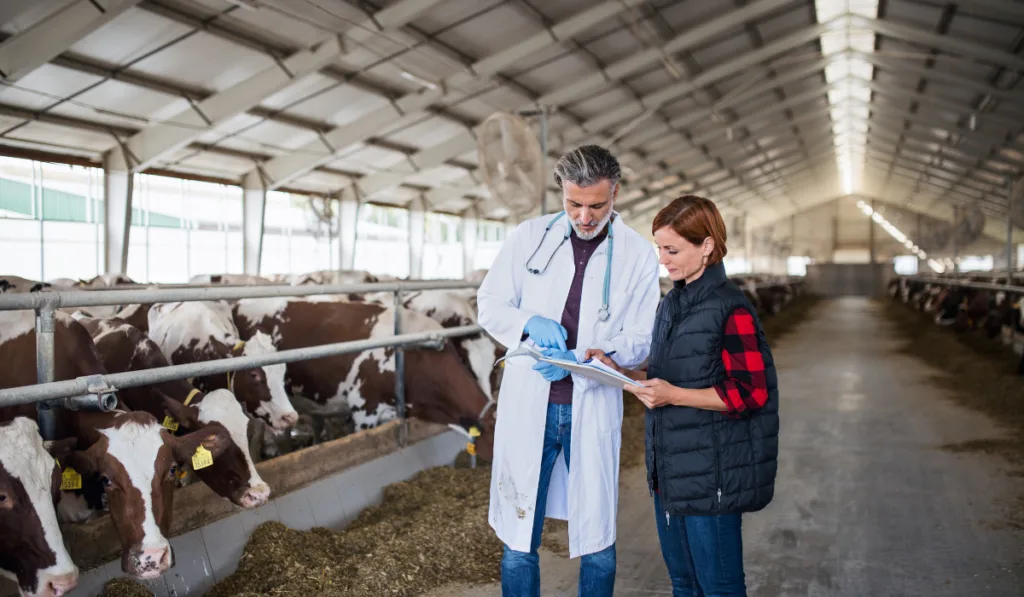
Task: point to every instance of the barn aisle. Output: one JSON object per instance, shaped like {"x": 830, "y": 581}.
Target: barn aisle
{"x": 867, "y": 503}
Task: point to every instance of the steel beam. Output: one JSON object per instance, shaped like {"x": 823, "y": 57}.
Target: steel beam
{"x": 694, "y": 37}
{"x": 945, "y": 43}
{"x": 154, "y": 143}
{"x": 907, "y": 67}
{"x": 412, "y": 106}
{"x": 34, "y": 47}
{"x": 942, "y": 104}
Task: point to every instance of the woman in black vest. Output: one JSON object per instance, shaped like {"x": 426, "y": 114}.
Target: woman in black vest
{"x": 712, "y": 399}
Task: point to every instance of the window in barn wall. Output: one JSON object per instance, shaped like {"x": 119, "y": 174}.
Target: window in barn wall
{"x": 733, "y": 266}
{"x": 976, "y": 263}
{"x": 382, "y": 240}
{"x": 490, "y": 237}
{"x": 442, "y": 247}
{"x": 905, "y": 265}
{"x": 50, "y": 220}
{"x": 797, "y": 265}
{"x": 183, "y": 228}
{"x": 293, "y": 241}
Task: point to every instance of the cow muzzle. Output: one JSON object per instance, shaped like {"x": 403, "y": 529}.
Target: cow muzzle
{"x": 255, "y": 496}
{"x": 148, "y": 563}
{"x": 56, "y": 585}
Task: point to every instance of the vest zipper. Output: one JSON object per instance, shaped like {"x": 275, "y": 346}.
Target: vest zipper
{"x": 718, "y": 464}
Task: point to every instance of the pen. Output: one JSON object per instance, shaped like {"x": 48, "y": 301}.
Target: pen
{"x": 607, "y": 354}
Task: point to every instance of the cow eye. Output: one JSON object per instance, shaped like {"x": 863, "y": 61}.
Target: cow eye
{"x": 105, "y": 481}
{"x": 174, "y": 469}
{"x": 3, "y": 498}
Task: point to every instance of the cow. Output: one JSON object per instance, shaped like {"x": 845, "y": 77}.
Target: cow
{"x": 233, "y": 279}
{"x": 126, "y": 457}
{"x": 452, "y": 308}
{"x": 134, "y": 460}
{"x": 202, "y": 331}
{"x": 439, "y": 387}
{"x": 32, "y": 551}
{"x": 18, "y": 285}
{"x": 125, "y": 348}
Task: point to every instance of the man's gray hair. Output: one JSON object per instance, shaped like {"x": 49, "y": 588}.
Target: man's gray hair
{"x": 587, "y": 165}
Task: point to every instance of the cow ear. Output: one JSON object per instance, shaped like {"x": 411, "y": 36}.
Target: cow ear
{"x": 86, "y": 462}
{"x": 60, "y": 449}
{"x": 212, "y": 437}
{"x": 187, "y": 416}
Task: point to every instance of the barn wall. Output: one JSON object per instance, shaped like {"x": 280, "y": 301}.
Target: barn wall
{"x": 848, "y": 279}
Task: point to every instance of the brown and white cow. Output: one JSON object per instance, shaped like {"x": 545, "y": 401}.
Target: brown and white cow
{"x": 125, "y": 348}
{"x": 233, "y": 279}
{"x": 202, "y": 331}
{"x": 453, "y": 308}
{"x": 439, "y": 387}
{"x": 129, "y": 457}
{"x": 17, "y": 285}
{"x": 32, "y": 551}
{"x": 133, "y": 459}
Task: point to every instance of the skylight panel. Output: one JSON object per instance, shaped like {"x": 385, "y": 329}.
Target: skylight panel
{"x": 847, "y": 77}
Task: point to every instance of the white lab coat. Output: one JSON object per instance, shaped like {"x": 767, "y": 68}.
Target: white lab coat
{"x": 586, "y": 496}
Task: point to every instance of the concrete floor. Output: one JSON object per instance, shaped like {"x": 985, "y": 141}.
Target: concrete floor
{"x": 866, "y": 503}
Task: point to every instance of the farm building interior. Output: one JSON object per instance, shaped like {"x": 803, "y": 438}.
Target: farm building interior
{"x": 301, "y": 181}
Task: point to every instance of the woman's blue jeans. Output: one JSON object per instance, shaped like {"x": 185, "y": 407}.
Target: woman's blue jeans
{"x": 704, "y": 554}
{"x": 520, "y": 572}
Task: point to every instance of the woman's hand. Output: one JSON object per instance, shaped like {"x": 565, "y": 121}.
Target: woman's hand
{"x": 654, "y": 392}
{"x": 597, "y": 353}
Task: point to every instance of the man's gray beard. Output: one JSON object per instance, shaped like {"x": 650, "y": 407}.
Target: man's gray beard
{"x": 590, "y": 235}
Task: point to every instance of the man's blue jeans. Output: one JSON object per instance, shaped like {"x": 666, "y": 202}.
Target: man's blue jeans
{"x": 520, "y": 572}
{"x": 704, "y": 554}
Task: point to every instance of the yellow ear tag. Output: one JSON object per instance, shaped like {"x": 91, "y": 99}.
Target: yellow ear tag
{"x": 70, "y": 480}
{"x": 201, "y": 459}
{"x": 170, "y": 424}
{"x": 471, "y": 448}
{"x": 474, "y": 432}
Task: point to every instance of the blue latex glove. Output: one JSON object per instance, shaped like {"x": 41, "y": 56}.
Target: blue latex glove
{"x": 554, "y": 372}
{"x": 546, "y": 333}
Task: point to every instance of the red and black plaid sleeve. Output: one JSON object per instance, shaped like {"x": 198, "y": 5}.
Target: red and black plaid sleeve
{"x": 745, "y": 388}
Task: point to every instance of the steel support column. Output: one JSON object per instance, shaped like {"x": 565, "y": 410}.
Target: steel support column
{"x": 417, "y": 234}
{"x": 254, "y": 205}
{"x": 118, "y": 185}
{"x": 470, "y": 228}
{"x": 348, "y": 232}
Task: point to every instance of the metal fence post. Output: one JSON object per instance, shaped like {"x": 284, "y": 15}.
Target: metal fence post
{"x": 45, "y": 323}
{"x": 399, "y": 373}
{"x": 1009, "y": 232}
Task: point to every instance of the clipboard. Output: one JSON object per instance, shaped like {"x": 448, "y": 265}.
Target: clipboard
{"x": 595, "y": 370}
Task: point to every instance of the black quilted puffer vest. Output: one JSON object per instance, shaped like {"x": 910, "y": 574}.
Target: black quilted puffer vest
{"x": 701, "y": 461}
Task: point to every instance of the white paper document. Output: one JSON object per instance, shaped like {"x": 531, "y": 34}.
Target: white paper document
{"x": 592, "y": 369}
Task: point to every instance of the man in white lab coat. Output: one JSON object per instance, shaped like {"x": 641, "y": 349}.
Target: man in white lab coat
{"x": 577, "y": 279}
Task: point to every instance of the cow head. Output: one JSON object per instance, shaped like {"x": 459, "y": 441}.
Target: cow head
{"x": 442, "y": 389}
{"x": 32, "y": 551}
{"x": 134, "y": 461}
{"x": 262, "y": 390}
{"x": 233, "y": 475}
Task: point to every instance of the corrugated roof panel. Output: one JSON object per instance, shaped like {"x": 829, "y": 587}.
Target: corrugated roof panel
{"x": 129, "y": 37}
{"x": 204, "y": 60}
{"x": 45, "y": 86}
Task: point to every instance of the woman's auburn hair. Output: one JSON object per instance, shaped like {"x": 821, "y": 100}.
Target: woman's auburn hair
{"x": 695, "y": 219}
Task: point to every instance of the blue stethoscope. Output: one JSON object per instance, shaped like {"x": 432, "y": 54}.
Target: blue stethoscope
{"x": 603, "y": 314}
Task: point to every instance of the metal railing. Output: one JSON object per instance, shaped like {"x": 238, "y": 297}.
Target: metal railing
{"x": 97, "y": 392}
{"x": 960, "y": 283}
